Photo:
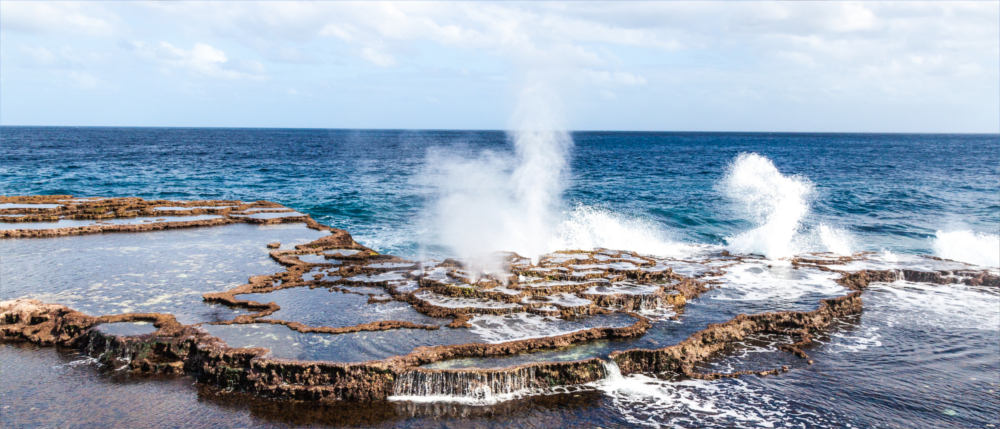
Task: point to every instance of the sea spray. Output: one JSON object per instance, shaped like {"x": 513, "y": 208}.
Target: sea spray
{"x": 542, "y": 147}
{"x": 776, "y": 204}
{"x": 966, "y": 246}
{"x": 647, "y": 401}
{"x": 835, "y": 240}
{"x": 588, "y": 227}
{"x": 491, "y": 202}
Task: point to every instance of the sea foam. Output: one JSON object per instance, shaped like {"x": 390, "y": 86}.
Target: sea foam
{"x": 588, "y": 227}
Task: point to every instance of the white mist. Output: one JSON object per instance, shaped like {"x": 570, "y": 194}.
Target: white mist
{"x": 775, "y": 203}
{"x": 491, "y": 202}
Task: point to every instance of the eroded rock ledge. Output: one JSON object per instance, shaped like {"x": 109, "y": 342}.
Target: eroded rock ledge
{"x": 133, "y": 214}
{"x": 572, "y": 285}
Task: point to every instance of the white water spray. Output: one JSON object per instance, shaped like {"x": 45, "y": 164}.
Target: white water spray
{"x": 775, "y": 203}
{"x": 587, "y": 227}
{"x": 834, "y": 240}
{"x": 492, "y": 202}
{"x": 496, "y": 202}
{"x": 966, "y": 246}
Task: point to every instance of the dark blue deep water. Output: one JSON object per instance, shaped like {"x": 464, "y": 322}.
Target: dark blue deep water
{"x": 888, "y": 191}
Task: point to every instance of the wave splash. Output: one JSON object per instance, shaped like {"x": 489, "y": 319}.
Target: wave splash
{"x": 503, "y": 202}
{"x": 587, "y": 227}
{"x": 493, "y": 202}
{"x": 497, "y": 202}
{"x": 775, "y": 203}
{"x": 966, "y": 246}
{"x": 646, "y": 401}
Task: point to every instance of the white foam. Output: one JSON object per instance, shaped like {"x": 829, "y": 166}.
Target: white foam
{"x": 775, "y": 203}
{"x": 521, "y": 326}
{"x": 855, "y": 341}
{"x": 461, "y": 302}
{"x": 652, "y": 402}
{"x": 378, "y": 278}
{"x": 587, "y": 227}
{"x": 954, "y": 306}
{"x": 566, "y": 300}
{"x": 887, "y": 260}
{"x": 757, "y": 281}
{"x": 835, "y": 240}
{"x": 623, "y": 288}
{"x": 559, "y": 258}
{"x": 973, "y": 247}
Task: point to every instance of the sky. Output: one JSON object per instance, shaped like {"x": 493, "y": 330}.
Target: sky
{"x": 819, "y": 66}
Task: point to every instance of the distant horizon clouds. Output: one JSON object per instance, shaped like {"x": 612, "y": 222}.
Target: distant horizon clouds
{"x": 644, "y": 66}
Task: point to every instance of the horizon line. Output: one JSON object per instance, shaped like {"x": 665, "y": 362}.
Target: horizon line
{"x": 221, "y": 127}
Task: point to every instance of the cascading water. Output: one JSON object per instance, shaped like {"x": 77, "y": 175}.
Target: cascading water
{"x": 474, "y": 388}
{"x": 613, "y": 374}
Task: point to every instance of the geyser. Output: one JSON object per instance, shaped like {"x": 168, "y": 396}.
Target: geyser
{"x": 493, "y": 202}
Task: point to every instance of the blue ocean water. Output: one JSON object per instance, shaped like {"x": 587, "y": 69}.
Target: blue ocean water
{"x": 887, "y": 191}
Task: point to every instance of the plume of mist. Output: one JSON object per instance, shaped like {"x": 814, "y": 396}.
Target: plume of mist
{"x": 488, "y": 202}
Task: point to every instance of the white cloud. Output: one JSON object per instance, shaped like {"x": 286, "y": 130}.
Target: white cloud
{"x": 617, "y": 78}
{"x": 707, "y": 54}
{"x": 377, "y": 57}
{"x": 56, "y": 17}
{"x": 852, "y": 17}
{"x": 202, "y": 59}
{"x": 338, "y": 31}
{"x": 824, "y": 36}
{"x": 82, "y": 79}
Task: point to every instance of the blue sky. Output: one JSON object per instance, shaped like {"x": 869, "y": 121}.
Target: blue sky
{"x": 712, "y": 66}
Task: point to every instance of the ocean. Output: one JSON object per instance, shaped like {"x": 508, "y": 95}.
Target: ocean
{"x": 885, "y": 191}
{"x": 919, "y": 356}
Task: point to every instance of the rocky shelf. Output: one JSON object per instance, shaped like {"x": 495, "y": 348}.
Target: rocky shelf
{"x": 324, "y": 326}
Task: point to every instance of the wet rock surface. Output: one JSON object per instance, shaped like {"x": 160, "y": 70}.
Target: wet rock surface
{"x": 571, "y": 298}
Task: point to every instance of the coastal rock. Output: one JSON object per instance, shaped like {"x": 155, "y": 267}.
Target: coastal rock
{"x": 576, "y": 286}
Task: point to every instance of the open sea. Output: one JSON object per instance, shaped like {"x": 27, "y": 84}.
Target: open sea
{"x": 888, "y": 191}
{"x": 917, "y": 356}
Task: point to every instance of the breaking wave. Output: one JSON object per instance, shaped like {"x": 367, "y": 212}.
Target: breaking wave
{"x": 774, "y": 203}
{"x": 587, "y": 227}
{"x": 777, "y": 205}
{"x": 966, "y": 246}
